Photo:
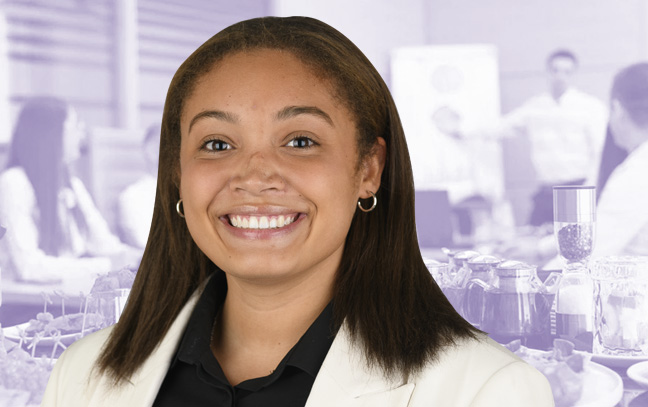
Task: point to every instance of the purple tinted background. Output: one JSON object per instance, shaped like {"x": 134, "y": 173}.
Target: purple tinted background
{"x": 113, "y": 60}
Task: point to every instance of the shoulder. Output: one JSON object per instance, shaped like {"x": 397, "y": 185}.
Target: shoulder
{"x": 16, "y": 191}
{"x": 481, "y": 372}
{"x": 539, "y": 101}
{"x": 73, "y": 372}
{"x": 14, "y": 177}
{"x": 587, "y": 100}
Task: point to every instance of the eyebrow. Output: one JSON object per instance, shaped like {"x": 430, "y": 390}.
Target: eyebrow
{"x": 214, "y": 114}
{"x": 284, "y": 114}
{"x": 294, "y": 111}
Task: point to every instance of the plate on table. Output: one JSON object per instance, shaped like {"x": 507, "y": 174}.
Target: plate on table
{"x": 619, "y": 362}
{"x": 13, "y": 333}
{"x": 601, "y": 386}
{"x": 639, "y": 373}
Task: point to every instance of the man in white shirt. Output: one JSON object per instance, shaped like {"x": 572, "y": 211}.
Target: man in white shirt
{"x": 622, "y": 212}
{"x": 566, "y": 129}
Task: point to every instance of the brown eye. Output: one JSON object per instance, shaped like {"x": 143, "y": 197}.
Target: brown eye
{"x": 301, "y": 142}
{"x": 216, "y": 145}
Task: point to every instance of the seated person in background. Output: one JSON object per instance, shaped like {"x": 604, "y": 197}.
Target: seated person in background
{"x": 622, "y": 212}
{"x": 135, "y": 203}
{"x": 611, "y": 157}
{"x": 54, "y": 230}
{"x": 565, "y": 128}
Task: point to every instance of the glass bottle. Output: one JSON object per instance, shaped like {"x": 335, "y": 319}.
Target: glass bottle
{"x": 574, "y": 229}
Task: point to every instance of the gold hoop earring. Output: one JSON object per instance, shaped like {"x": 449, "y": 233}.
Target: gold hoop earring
{"x": 373, "y": 206}
{"x": 178, "y": 209}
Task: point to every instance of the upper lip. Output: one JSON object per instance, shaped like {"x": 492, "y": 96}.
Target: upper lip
{"x": 261, "y": 210}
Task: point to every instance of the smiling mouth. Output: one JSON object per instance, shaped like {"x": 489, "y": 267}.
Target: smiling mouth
{"x": 261, "y": 222}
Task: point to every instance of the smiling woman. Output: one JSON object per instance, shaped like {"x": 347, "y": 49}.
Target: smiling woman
{"x": 263, "y": 283}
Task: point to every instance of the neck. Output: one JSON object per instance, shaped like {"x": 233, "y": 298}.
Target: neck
{"x": 558, "y": 93}
{"x": 259, "y": 324}
{"x": 636, "y": 143}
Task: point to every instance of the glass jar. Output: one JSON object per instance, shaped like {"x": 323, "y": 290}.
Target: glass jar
{"x": 479, "y": 267}
{"x": 438, "y": 270}
{"x": 621, "y": 306}
{"x": 517, "y": 305}
{"x": 574, "y": 223}
{"x": 454, "y": 291}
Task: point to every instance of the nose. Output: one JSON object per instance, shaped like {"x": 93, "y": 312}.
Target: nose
{"x": 259, "y": 173}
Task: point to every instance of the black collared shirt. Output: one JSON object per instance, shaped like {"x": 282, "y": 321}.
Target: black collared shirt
{"x": 195, "y": 377}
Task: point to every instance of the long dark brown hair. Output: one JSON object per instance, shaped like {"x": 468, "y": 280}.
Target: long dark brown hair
{"x": 383, "y": 291}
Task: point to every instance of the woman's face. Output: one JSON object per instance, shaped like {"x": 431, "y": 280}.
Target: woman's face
{"x": 269, "y": 168}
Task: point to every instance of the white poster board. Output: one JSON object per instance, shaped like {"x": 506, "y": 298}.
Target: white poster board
{"x": 447, "y": 89}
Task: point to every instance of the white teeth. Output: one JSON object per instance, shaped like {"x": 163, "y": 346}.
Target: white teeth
{"x": 260, "y": 222}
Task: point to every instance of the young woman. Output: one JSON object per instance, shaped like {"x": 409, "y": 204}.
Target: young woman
{"x": 54, "y": 230}
{"x": 282, "y": 266}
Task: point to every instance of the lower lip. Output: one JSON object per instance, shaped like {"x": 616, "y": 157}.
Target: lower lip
{"x": 261, "y": 234}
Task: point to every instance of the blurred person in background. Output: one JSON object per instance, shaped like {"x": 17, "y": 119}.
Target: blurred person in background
{"x": 449, "y": 164}
{"x": 566, "y": 129}
{"x": 611, "y": 157}
{"x": 621, "y": 180}
{"x": 54, "y": 230}
{"x": 622, "y": 212}
{"x": 135, "y": 203}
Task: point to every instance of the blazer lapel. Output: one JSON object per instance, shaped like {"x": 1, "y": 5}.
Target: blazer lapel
{"x": 145, "y": 384}
{"x": 345, "y": 380}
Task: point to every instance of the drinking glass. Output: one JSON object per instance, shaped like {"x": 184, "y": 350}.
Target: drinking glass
{"x": 621, "y": 306}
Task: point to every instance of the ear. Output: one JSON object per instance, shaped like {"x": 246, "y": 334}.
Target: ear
{"x": 617, "y": 111}
{"x": 372, "y": 168}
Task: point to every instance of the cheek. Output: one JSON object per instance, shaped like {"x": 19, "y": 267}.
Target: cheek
{"x": 198, "y": 187}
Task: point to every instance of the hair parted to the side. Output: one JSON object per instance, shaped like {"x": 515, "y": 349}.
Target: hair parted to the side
{"x": 383, "y": 291}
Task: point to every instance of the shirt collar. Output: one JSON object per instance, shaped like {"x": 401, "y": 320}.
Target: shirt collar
{"x": 308, "y": 354}
{"x": 197, "y": 337}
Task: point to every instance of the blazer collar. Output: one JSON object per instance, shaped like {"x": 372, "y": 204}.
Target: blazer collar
{"x": 145, "y": 383}
{"x": 345, "y": 379}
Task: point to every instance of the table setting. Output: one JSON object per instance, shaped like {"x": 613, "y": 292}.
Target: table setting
{"x": 29, "y": 350}
{"x": 585, "y": 327}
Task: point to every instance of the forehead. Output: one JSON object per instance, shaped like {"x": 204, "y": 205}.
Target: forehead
{"x": 264, "y": 75}
{"x": 562, "y": 64}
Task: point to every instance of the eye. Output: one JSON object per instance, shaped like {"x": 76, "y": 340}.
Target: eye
{"x": 216, "y": 145}
{"x": 301, "y": 142}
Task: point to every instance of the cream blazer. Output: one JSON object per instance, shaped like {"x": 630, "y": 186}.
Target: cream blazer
{"x": 477, "y": 373}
